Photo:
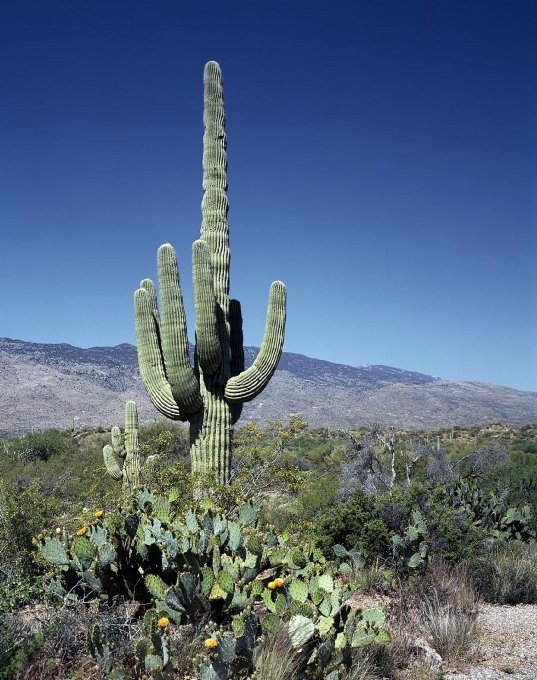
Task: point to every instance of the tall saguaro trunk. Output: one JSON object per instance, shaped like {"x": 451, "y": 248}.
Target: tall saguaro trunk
{"x": 208, "y": 395}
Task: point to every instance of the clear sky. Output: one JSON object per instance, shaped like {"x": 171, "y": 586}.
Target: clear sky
{"x": 382, "y": 163}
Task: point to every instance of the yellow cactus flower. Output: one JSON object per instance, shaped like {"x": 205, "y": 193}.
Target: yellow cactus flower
{"x": 210, "y": 643}
{"x": 277, "y": 583}
{"x": 82, "y": 531}
{"x": 163, "y": 622}
{"x": 99, "y": 513}
{"x": 58, "y": 530}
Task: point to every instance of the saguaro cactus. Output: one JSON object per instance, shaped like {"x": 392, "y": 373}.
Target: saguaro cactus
{"x": 208, "y": 395}
{"x": 122, "y": 458}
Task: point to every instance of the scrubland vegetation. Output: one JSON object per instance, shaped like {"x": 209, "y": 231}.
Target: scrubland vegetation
{"x": 250, "y": 580}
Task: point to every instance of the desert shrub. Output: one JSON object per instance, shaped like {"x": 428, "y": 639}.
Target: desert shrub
{"x": 176, "y": 438}
{"x": 16, "y": 650}
{"x": 519, "y": 478}
{"x": 318, "y": 497}
{"x": 451, "y": 533}
{"x": 44, "y": 639}
{"x": 355, "y": 524}
{"x": 44, "y": 445}
{"x": 24, "y": 513}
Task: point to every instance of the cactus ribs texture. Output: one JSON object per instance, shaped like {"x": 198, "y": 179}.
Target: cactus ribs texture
{"x": 208, "y": 395}
{"x": 122, "y": 457}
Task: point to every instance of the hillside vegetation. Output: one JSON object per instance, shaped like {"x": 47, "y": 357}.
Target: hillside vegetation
{"x": 416, "y": 526}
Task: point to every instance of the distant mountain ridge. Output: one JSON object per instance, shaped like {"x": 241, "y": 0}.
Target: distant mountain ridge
{"x": 58, "y": 385}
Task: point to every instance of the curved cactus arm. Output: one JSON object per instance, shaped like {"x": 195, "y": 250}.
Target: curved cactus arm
{"x": 252, "y": 382}
{"x": 114, "y": 454}
{"x": 208, "y": 350}
{"x": 114, "y": 464}
{"x": 150, "y": 359}
{"x": 117, "y": 442}
{"x": 174, "y": 339}
{"x": 236, "y": 349}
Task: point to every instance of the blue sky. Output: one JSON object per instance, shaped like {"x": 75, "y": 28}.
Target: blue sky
{"x": 382, "y": 163}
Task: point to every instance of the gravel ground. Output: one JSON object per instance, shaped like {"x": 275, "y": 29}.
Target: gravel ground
{"x": 507, "y": 646}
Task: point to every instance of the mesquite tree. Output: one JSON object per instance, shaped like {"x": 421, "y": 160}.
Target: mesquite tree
{"x": 210, "y": 393}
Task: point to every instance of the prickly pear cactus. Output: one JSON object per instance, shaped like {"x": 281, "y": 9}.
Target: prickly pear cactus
{"x": 210, "y": 395}
{"x": 490, "y": 511}
{"x": 203, "y": 564}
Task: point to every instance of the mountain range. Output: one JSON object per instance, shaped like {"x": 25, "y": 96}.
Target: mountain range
{"x": 57, "y": 385}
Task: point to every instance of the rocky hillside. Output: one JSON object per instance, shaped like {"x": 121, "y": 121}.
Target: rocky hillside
{"x": 44, "y": 385}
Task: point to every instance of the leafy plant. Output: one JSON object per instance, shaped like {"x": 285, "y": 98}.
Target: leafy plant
{"x": 355, "y": 524}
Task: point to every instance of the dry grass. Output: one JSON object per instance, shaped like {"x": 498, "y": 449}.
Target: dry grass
{"x": 452, "y": 632}
{"x": 509, "y": 575}
{"x": 278, "y": 659}
{"x": 440, "y": 612}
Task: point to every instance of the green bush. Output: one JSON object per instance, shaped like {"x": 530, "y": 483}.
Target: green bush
{"x": 451, "y": 534}
{"x": 355, "y": 524}
{"x": 318, "y": 498}
{"x": 44, "y": 445}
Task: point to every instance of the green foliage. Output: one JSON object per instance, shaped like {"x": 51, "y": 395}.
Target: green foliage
{"x": 33, "y": 492}
{"x": 16, "y": 654}
{"x": 490, "y": 511}
{"x": 43, "y": 445}
{"x": 318, "y": 497}
{"x": 24, "y": 513}
{"x": 356, "y": 524}
{"x": 451, "y": 535}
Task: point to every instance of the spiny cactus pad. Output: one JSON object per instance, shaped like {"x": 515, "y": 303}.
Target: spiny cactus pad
{"x": 53, "y": 551}
{"x": 298, "y": 590}
{"x": 301, "y": 629}
{"x": 156, "y": 586}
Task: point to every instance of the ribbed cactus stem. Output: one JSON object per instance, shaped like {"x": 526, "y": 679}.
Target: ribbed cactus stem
{"x": 122, "y": 458}
{"x": 210, "y": 397}
{"x": 133, "y": 460}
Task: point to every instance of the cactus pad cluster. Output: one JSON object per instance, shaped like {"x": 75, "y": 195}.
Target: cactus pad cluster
{"x": 208, "y": 564}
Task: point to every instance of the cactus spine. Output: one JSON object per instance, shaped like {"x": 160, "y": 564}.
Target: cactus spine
{"x": 122, "y": 458}
{"x": 210, "y": 394}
